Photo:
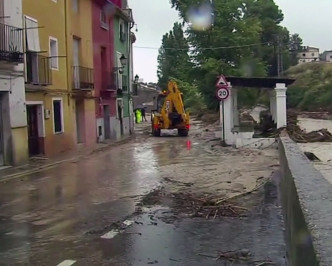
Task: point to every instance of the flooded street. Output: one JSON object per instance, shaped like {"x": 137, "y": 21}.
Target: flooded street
{"x": 136, "y": 204}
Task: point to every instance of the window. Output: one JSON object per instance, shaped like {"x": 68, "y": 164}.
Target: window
{"x": 122, "y": 31}
{"x": 58, "y": 115}
{"x": 75, "y": 5}
{"x": 54, "y": 53}
{"x": 124, "y": 83}
{"x": 119, "y": 72}
{"x": 103, "y": 20}
{"x": 32, "y": 34}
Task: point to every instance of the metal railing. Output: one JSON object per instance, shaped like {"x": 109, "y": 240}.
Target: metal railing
{"x": 38, "y": 69}
{"x": 108, "y": 81}
{"x": 11, "y": 43}
{"x": 83, "y": 78}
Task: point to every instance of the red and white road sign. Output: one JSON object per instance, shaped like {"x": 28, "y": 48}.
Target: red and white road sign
{"x": 222, "y": 82}
{"x": 222, "y": 93}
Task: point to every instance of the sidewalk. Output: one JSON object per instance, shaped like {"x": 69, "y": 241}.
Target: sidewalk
{"x": 36, "y": 164}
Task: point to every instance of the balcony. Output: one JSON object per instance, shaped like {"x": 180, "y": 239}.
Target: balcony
{"x": 11, "y": 47}
{"x": 108, "y": 81}
{"x": 38, "y": 69}
{"x": 83, "y": 78}
{"x": 108, "y": 85}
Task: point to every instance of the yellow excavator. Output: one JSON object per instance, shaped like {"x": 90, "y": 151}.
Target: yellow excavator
{"x": 170, "y": 112}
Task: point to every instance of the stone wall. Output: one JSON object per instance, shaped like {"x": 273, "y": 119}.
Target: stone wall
{"x": 307, "y": 204}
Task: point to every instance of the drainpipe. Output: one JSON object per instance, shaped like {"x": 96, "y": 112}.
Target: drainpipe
{"x": 130, "y": 70}
{"x": 67, "y": 63}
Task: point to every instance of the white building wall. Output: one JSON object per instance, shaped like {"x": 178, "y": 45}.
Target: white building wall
{"x": 13, "y": 91}
{"x": 115, "y": 128}
{"x": 14, "y": 81}
{"x": 13, "y": 13}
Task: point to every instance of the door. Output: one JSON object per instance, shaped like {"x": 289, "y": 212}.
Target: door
{"x": 80, "y": 125}
{"x": 33, "y": 136}
{"x": 1, "y": 135}
{"x": 107, "y": 125}
{"x": 76, "y": 62}
{"x": 120, "y": 114}
{"x": 103, "y": 72}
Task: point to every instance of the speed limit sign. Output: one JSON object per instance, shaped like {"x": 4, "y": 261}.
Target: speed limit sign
{"x": 222, "y": 93}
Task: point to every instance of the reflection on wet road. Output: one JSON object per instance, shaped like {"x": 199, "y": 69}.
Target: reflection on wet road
{"x": 84, "y": 212}
{"x": 52, "y": 212}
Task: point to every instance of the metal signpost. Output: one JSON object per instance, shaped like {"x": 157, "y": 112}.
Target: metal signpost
{"x": 222, "y": 93}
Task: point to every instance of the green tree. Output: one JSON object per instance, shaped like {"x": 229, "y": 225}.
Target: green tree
{"x": 295, "y": 46}
{"x": 173, "y": 59}
{"x": 244, "y": 38}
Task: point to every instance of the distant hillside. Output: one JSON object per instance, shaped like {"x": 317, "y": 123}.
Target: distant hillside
{"x": 312, "y": 90}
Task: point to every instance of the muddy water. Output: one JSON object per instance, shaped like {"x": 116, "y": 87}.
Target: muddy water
{"x": 61, "y": 213}
{"x": 161, "y": 237}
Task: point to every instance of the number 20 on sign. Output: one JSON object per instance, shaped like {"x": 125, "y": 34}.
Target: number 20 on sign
{"x": 222, "y": 93}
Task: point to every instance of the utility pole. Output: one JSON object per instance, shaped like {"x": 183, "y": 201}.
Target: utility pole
{"x": 280, "y": 57}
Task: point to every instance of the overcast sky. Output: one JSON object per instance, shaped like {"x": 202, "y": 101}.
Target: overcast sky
{"x": 310, "y": 18}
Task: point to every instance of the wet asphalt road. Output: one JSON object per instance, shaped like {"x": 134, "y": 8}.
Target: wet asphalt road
{"x": 83, "y": 213}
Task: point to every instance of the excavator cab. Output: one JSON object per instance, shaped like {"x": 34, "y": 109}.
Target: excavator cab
{"x": 170, "y": 112}
{"x": 160, "y": 101}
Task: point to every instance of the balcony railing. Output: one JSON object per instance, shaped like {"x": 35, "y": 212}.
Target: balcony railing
{"x": 108, "y": 81}
{"x": 38, "y": 69}
{"x": 11, "y": 47}
{"x": 83, "y": 78}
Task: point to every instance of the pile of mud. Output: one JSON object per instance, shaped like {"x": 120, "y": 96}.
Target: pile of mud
{"x": 300, "y": 136}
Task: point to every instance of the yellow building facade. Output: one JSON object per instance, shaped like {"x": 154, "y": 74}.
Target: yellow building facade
{"x": 57, "y": 104}
{"x": 80, "y": 69}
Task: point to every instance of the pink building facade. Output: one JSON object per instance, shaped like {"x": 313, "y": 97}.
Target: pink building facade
{"x": 103, "y": 58}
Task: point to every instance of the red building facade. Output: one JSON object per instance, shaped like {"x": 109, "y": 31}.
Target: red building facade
{"x": 103, "y": 58}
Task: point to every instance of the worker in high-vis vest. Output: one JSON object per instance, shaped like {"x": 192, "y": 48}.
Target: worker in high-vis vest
{"x": 138, "y": 114}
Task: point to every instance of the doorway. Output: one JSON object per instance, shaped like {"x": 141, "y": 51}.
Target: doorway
{"x": 80, "y": 125}
{"x": 33, "y": 131}
{"x": 120, "y": 114}
{"x": 107, "y": 125}
{"x": 1, "y": 135}
{"x": 103, "y": 72}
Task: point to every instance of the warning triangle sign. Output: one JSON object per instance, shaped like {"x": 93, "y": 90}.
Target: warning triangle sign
{"x": 222, "y": 82}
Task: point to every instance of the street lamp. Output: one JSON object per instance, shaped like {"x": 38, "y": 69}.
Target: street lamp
{"x": 135, "y": 85}
{"x": 123, "y": 61}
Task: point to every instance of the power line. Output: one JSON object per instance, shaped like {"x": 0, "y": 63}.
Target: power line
{"x": 205, "y": 48}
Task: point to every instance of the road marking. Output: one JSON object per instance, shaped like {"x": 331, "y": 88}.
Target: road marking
{"x": 111, "y": 234}
{"x": 67, "y": 263}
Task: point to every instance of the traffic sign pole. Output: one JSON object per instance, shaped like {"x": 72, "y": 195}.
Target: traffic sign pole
{"x": 222, "y": 93}
{"x": 223, "y": 120}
